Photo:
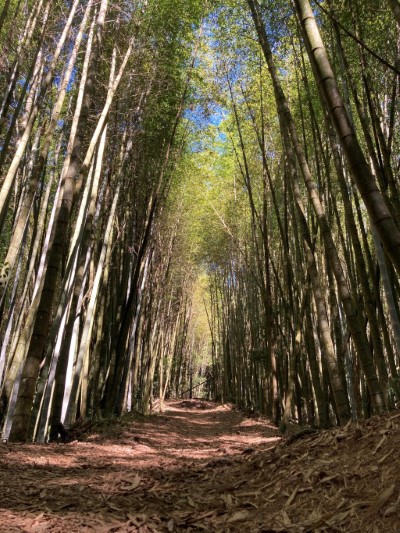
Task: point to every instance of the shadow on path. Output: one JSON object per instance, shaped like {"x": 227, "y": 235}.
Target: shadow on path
{"x": 158, "y": 473}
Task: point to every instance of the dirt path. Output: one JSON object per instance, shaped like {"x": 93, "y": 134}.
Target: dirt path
{"x": 163, "y": 473}
{"x": 203, "y": 467}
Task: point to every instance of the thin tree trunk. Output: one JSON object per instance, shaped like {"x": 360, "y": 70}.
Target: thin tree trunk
{"x": 6, "y": 189}
{"x": 388, "y": 290}
{"x": 46, "y": 143}
{"x": 89, "y": 319}
{"x": 42, "y": 316}
{"x": 287, "y": 123}
{"x": 377, "y": 208}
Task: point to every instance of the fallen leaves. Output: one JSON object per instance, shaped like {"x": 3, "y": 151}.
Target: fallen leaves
{"x": 381, "y": 500}
{"x": 238, "y": 516}
{"x": 191, "y": 502}
{"x": 196, "y": 473}
{"x": 292, "y": 497}
{"x": 133, "y": 484}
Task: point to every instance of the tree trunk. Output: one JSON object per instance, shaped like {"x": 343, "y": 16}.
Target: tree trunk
{"x": 377, "y": 208}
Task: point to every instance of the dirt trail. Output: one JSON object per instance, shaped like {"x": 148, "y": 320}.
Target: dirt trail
{"x": 203, "y": 467}
{"x": 148, "y": 474}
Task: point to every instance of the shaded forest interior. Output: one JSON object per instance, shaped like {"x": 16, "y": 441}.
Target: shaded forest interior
{"x": 198, "y": 198}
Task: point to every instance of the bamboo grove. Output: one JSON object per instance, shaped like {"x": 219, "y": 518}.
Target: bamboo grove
{"x": 202, "y": 191}
{"x": 306, "y": 307}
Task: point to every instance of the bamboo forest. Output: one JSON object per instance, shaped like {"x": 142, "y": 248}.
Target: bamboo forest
{"x": 200, "y": 265}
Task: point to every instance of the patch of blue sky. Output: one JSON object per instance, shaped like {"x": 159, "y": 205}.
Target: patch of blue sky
{"x": 196, "y": 147}
{"x": 58, "y": 79}
{"x": 218, "y": 115}
{"x": 71, "y": 81}
{"x": 202, "y": 117}
{"x": 222, "y": 136}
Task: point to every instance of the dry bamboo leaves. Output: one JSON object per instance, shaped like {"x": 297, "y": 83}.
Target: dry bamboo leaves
{"x": 292, "y": 497}
{"x": 187, "y": 478}
{"x": 133, "y": 484}
{"x": 381, "y": 500}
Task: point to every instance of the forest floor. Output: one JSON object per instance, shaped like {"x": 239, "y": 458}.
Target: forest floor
{"x": 205, "y": 467}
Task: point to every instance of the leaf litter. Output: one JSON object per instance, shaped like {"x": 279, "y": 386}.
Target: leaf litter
{"x": 200, "y": 466}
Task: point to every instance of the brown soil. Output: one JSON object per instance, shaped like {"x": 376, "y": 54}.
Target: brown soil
{"x": 203, "y": 467}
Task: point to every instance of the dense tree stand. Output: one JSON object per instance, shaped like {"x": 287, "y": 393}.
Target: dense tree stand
{"x": 201, "y": 199}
